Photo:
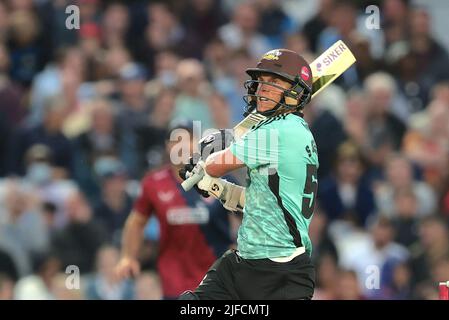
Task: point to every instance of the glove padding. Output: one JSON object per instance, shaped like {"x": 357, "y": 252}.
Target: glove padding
{"x": 194, "y": 161}
{"x": 230, "y": 195}
{"x": 215, "y": 142}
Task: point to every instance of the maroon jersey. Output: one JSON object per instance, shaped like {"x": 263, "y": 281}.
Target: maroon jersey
{"x": 194, "y": 231}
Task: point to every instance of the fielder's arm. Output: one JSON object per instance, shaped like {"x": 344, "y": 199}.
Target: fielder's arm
{"x": 128, "y": 265}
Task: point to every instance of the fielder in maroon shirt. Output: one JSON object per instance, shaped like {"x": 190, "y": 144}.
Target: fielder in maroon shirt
{"x": 194, "y": 231}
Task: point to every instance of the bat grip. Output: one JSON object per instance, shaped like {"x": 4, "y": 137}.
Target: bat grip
{"x": 192, "y": 180}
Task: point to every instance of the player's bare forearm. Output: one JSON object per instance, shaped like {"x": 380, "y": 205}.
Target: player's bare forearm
{"x": 220, "y": 163}
{"x": 133, "y": 235}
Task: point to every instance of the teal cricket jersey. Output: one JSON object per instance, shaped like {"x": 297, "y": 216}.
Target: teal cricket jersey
{"x": 282, "y": 161}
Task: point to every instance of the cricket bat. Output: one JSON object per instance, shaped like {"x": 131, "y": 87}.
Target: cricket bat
{"x": 325, "y": 69}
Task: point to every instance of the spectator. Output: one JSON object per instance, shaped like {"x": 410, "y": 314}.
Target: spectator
{"x": 49, "y": 134}
{"x": 49, "y": 82}
{"x": 115, "y": 24}
{"x": 151, "y": 137}
{"x": 432, "y": 248}
{"x": 346, "y": 194}
{"x": 313, "y": 28}
{"x": 374, "y": 256}
{"x": 24, "y": 46}
{"x": 101, "y": 139}
{"x": 202, "y": 19}
{"x": 348, "y": 286}
{"x": 12, "y": 108}
{"x": 399, "y": 175}
{"x": 428, "y": 145}
{"x": 23, "y": 234}
{"x": 46, "y": 182}
{"x": 405, "y": 218}
{"x": 114, "y": 204}
{"x": 103, "y": 284}
{"x": 59, "y": 289}
{"x": 191, "y": 101}
{"x": 164, "y": 73}
{"x": 148, "y": 287}
{"x": 385, "y": 130}
{"x": 78, "y": 242}
{"x": 38, "y": 285}
{"x": 395, "y": 22}
{"x": 328, "y": 132}
{"x": 275, "y": 23}
{"x": 327, "y": 278}
{"x": 242, "y": 31}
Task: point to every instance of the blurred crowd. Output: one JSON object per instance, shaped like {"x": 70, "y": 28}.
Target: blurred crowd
{"x": 84, "y": 114}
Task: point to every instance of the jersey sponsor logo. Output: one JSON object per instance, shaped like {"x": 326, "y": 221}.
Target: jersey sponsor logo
{"x": 272, "y": 55}
{"x": 165, "y": 196}
{"x": 188, "y": 215}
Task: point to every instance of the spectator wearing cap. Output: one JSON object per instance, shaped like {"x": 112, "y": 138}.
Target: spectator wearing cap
{"x": 115, "y": 203}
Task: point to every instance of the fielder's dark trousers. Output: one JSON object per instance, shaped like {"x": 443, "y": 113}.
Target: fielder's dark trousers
{"x": 232, "y": 278}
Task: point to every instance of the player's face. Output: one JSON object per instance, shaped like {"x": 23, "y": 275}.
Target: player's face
{"x": 270, "y": 92}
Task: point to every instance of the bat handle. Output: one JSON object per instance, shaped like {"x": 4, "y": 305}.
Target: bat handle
{"x": 192, "y": 180}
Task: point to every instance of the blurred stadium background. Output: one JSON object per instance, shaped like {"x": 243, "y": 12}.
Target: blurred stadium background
{"x": 84, "y": 113}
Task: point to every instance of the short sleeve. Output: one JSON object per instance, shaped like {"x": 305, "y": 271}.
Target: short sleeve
{"x": 257, "y": 148}
{"x": 143, "y": 204}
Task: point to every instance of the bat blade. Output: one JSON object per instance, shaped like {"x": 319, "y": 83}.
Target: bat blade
{"x": 330, "y": 65}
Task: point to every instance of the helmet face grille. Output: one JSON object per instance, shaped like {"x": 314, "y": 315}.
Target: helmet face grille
{"x": 289, "y": 66}
{"x": 292, "y": 99}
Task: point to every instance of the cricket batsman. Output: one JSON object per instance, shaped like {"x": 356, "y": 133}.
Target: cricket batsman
{"x": 273, "y": 256}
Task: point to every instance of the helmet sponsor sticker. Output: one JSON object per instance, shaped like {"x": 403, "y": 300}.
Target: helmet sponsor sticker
{"x": 305, "y": 74}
